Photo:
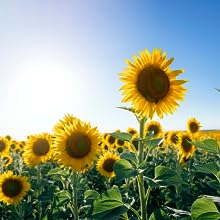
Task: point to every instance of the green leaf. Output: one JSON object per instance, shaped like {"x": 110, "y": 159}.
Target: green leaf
{"x": 202, "y": 206}
{"x": 62, "y": 197}
{"x": 58, "y": 171}
{"x": 207, "y": 168}
{"x": 151, "y": 182}
{"x": 209, "y": 216}
{"x": 109, "y": 205}
{"x": 124, "y": 136}
{"x": 91, "y": 195}
{"x": 153, "y": 143}
{"x": 129, "y": 156}
{"x": 159, "y": 214}
{"x": 165, "y": 176}
{"x": 123, "y": 169}
{"x": 127, "y": 108}
{"x": 214, "y": 184}
{"x": 210, "y": 145}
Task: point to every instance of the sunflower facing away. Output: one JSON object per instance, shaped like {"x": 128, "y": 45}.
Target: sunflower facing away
{"x": 105, "y": 164}
{"x": 186, "y": 149}
{"x": 193, "y": 126}
{"x": 37, "y": 149}
{"x": 13, "y": 187}
{"x": 150, "y": 85}
{"x": 77, "y": 145}
{"x": 172, "y": 138}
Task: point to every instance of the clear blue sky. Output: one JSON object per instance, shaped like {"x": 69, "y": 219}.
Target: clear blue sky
{"x": 59, "y": 57}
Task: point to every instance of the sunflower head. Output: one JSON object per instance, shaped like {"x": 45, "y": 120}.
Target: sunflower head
{"x": 105, "y": 164}
{"x": 172, "y": 138}
{"x": 7, "y": 160}
{"x": 150, "y": 85}
{"x": 186, "y": 148}
{"x": 4, "y": 146}
{"x": 77, "y": 145}
{"x": 13, "y": 188}
{"x": 37, "y": 149}
{"x": 193, "y": 126}
{"x": 132, "y": 131}
{"x": 154, "y": 126}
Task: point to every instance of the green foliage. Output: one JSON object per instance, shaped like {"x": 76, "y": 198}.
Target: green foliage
{"x": 109, "y": 205}
{"x": 204, "y": 209}
{"x": 210, "y": 145}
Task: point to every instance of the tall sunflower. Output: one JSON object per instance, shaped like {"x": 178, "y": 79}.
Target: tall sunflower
{"x": 76, "y": 145}
{"x": 150, "y": 85}
{"x": 37, "y": 149}
{"x": 154, "y": 126}
{"x": 172, "y": 138}
{"x": 193, "y": 126}
{"x": 186, "y": 148}
{"x": 105, "y": 164}
{"x": 13, "y": 187}
{"x": 4, "y": 146}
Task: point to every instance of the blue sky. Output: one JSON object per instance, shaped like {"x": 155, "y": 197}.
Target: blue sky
{"x": 59, "y": 57}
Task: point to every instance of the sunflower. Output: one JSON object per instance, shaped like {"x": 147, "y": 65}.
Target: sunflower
{"x": 110, "y": 140}
{"x": 172, "y": 138}
{"x": 193, "y": 126}
{"x": 7, "y": 160}
{"x": 105, "y": 164}
{"x": 4, "y": 146}
{"x": 13, "y": 187}
{"x": 132, "y": 131}
{"x": 37, "y": 149}
{"x": 186, "y": 148}
{"x": 150, "y": 85}
{"x": 154, "y": 126}
{"x": 76, "y": 145}
{"x": 67, "y": 119}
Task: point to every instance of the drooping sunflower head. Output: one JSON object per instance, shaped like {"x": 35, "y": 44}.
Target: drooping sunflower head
{"x": 150, "y": 85}
{"x": 4, "y": 146}
{"x": 7, "y": 160}
{"x": 154, "y": 126}
{"x": 193, "y": 126}
{"x": 77, "y": 145}
{"x": 37, "y": 149}
{"x": 172, "y": 138}
{"x": 13, "y": 187}
{"x": 186, "y": 148}
{"x": 105, "y": 164}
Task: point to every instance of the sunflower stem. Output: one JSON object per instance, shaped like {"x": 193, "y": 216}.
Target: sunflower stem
{"x": 140, "y": 178}
{"x": 75, "y": 201}
{"x": 39, "y": 210}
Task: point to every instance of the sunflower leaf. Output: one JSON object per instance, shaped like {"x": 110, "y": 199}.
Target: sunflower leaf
{"x": 210, "y": 145}
{"x": 109, "y": 205}
{"x": 207, "y": 168}
{"x": 124, "y": 169}
{"x": 153, "y": 143}
{"x": 124, "y": 136}
{"x": 204, "y": 209}
{"x": 165, "y": 176}
{"x": 91, "y": 195}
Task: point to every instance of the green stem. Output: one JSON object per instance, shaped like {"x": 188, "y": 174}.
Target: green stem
{"x": 140, "y": 178}
{"x": 147, "y": 195}
{"x": 75, "y": 204}
{"x": 39, "y": 210}
{"x": 135, "y": 212}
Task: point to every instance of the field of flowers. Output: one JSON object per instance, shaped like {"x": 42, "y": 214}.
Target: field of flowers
{"x": 76, "y": 172}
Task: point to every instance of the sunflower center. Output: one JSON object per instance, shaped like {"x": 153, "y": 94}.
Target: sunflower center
{"x": 186, "y": 144}
{"x": 78, "y": 145}
{"x": 154, "y": 128}
{"x": 153, "y": 83}
{"x": 2, "y": 146}
{"x": 11, "y": 187}
{"x": 41, "y": 147}
{"x": 193, "y": 127}
{"x": 108, "y": 164}
{"x": 111, "y": 140}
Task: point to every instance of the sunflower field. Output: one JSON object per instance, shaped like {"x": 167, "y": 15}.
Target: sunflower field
{"x": 76, "y": 172}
